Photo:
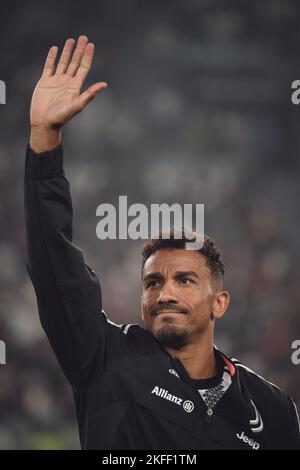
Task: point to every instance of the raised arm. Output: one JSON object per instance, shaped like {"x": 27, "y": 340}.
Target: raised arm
{"x": 68, "y": 292}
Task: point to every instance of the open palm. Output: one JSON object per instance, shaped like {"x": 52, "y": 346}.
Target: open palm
{"x": 57, "y": 97}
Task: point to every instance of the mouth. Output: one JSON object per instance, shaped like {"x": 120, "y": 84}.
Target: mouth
{"x": 170, "y": 312}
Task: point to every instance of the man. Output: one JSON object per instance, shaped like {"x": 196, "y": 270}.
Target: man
{"x": 164, "y": 386}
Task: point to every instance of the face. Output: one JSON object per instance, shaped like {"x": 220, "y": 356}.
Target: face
{"x": 180, "y": 297}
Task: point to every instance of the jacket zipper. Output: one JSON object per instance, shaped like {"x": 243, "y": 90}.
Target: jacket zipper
{"x": 209, "y": 413}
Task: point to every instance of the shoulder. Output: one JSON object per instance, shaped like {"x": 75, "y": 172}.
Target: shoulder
{"x": 269, "y": 394}
{"x": 139, "y": 339}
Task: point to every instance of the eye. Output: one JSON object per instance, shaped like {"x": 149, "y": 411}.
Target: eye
{"x": 186, "y": 281}
{"x": 153, "y": 283}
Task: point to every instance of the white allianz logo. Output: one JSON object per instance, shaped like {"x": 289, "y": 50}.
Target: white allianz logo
{"x": 187, "y": 405}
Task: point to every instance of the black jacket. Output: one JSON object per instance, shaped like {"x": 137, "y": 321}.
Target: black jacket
{"x": 129, "y": 392}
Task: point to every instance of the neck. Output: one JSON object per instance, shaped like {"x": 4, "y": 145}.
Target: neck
{"x": 198, "y": 359}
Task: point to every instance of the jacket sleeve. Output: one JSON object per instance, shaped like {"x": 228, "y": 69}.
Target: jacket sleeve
{"x": 67, "y": 290}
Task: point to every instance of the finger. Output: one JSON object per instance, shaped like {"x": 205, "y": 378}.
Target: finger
{"x": 50, "y": 62}
{"x": 65, "y": 56}
{"x": 89, "y": 94}
{"x": 76, "y": 58}
{"x": 86, "y": 62}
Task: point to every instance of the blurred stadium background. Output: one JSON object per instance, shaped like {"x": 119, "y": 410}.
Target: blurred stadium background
{"x": 198, "y": 110}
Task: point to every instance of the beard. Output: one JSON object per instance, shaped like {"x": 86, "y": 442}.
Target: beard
{"x": 172, "y": 336}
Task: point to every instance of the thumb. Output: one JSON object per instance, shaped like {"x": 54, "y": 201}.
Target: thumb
{"x": 89, "y": 94}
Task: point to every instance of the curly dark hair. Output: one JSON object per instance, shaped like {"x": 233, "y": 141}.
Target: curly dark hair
{"x": 209, "y": 249}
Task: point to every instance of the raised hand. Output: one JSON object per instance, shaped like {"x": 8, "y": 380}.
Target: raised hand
{"x": 57, "y": 97}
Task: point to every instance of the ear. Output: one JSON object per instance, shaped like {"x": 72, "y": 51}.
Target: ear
{"x": 220, "y": 304}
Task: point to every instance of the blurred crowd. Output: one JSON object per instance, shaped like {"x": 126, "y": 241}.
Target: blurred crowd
{"x": 198, "y": 110}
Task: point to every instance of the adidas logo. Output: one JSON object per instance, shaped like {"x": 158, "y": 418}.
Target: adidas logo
{"x": 173, "y": 371}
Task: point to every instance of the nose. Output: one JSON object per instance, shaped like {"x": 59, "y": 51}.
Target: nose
{"x": 166, "y": 296}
